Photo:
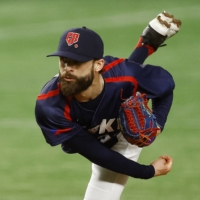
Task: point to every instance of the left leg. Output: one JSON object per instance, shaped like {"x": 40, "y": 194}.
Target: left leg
{"x": 108, "y": 185}
{"x": 105, "y": 184}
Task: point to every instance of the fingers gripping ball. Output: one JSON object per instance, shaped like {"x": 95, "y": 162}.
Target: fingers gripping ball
{"x": 137, "y": 122}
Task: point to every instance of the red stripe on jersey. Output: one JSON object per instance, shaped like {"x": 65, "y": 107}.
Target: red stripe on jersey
{"x": 112, "y": 64}
{"x": 49, "y": 94}
{"x": 123, "y": 79}
{"x": 67, "y": 110}
{"x": 67, "y": 116}
{"x": 62, "y": 131}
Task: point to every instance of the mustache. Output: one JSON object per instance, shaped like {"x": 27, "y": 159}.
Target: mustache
{"x": 65, "y": 75}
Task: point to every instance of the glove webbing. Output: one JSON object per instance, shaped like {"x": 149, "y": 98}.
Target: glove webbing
{"x": 141, "y": 122}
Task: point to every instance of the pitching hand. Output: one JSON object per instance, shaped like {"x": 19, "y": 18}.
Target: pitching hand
{"x": 162, "y": 165}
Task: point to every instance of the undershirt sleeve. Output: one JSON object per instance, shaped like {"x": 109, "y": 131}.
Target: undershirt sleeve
{"x": 89, "y": 147}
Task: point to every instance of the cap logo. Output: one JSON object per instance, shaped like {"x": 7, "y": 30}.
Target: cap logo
{"x": 72, "y": 38}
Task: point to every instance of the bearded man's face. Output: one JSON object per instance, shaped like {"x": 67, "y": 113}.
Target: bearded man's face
{"x": 72, "y": 85}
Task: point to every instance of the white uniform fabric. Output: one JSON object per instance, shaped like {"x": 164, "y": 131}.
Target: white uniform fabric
{"x": 108, "y": 185}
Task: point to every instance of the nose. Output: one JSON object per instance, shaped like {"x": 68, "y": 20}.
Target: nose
{"x": 68, "y": 67}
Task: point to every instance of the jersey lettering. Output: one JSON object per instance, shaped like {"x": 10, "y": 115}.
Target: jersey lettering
{"x": 106, "y": 126}
{"x": 105, "y": 139}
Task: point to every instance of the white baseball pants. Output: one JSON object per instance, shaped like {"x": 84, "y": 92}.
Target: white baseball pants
{"x": 108, "y": 185}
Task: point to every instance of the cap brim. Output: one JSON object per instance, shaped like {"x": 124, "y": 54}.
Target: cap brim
{"x": 73, "y": 56}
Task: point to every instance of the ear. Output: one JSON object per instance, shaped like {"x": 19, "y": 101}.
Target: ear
{"x": 98, "y": 65}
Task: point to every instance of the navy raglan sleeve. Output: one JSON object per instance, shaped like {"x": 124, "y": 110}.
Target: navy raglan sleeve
{"x": 54, "y": 126}
{"x": 155, "y": 81}
{"x": 158, "y": 84}
{"x": 53, "y": 115}
{"x": 85, "y": 144}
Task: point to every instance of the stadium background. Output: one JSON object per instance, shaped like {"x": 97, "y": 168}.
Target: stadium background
{"x": 29, "y": 30}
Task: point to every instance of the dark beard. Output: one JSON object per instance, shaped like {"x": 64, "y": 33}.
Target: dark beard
{"x": 78, "y": 85}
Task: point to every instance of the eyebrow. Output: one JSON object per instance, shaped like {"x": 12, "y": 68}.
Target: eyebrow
{"x": 71, "y": 61}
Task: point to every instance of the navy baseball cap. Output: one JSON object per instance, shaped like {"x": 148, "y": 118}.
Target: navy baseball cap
{"x": 81, "y": 44}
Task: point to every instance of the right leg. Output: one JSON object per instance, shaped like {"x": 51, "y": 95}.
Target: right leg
{"x": 159, "y": 29}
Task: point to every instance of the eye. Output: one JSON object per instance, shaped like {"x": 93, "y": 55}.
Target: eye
{"x": 77, "y": 63}
{"x": 70, "y": 62}
{"x": 64, "y": 60}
